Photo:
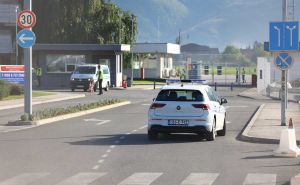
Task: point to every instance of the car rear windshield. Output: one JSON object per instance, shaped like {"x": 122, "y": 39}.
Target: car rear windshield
{"x": 179, "y": 95}
{"x": 85, "y": 70}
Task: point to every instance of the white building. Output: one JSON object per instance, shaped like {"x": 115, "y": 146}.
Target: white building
{"x": 268, "y": 73}
{"x": 155, "y": 59}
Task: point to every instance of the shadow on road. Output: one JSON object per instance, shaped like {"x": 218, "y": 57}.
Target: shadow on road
{"x": 139, "y": 139}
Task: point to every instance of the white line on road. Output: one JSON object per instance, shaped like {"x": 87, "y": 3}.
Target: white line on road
{"x": 96, "y": 167}
{"x": 24, "y": 179}
{"x": 104, "y": 155}
{"x": 141, "y": 179}
{"x": 200, "y": 179}
{"x": 101, "y": 161}
{"x": 82, "y": 179}
{"x": 242, "y": 106}
{"x": 108, "y": 151}
{"x": 265, "y": 179}
{"x": 103, "y": 122}
{"x": 134, "y": 131}
{"x": 141, "y": 128}
{"x": 112, "y": 146}
{"x": 228, "y": 122}
{"x": 146, "y": 104}
{"x": 128, "y": 133}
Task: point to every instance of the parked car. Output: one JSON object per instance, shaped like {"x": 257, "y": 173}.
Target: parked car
{"x": 187, "y": 108}
{"x": 85, "y": 74}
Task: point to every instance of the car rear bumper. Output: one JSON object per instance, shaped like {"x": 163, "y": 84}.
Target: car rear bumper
{"x": 179, "y": 129}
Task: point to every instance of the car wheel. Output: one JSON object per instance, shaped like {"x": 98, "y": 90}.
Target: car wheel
{"x": 223, "y": 131}
{"x": 107, "y": 87}
{"x": 212, "y": 135}
{"x": 152, "y": 135}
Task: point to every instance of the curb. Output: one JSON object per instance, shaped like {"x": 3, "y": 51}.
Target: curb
{"x": 68, "y": 116}
{"x": 43, "y": 101}
{"x": 244, "y": 136}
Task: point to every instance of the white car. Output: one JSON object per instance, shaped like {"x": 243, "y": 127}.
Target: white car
{"x": 187, "y": 108}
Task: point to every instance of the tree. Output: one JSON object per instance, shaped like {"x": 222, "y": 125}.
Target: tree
{"x": 83, "y": 21}
{"x": 233, "y": 54}
{"x": 258, "y": 50}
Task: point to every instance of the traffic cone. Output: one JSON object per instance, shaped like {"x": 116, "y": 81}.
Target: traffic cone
{"x": 288, "y": 143}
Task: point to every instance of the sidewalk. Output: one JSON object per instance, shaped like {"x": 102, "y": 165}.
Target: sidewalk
{"x": 9, "y": 104}
{"x": 265, "y": 125}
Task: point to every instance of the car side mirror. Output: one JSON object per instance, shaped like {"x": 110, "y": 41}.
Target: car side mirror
{"x": 223, "y": 101}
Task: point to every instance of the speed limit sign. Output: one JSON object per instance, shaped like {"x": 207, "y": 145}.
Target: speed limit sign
{"x": 26, "y": 19}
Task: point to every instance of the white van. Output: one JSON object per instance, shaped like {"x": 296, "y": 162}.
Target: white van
{"x": 84, "y": 74}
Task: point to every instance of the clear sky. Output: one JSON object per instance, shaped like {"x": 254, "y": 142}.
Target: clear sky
{"x": 216, "y": 23}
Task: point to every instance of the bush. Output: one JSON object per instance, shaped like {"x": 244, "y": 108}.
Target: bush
{"x": 4, "y": 89}
{"x": 53, "y": 112}
{"x": 16, "y": 89}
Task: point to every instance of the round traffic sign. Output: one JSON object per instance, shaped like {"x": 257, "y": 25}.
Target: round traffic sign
{"x": 26, "y": 38}
{"x": 26, "y": 19}
{"x": 283, "y": 61}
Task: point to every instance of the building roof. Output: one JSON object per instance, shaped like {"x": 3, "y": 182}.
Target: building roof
{"x": 198, "y": 49}
{"x": 164, "y": 48}
{"x": 82, "y": 47}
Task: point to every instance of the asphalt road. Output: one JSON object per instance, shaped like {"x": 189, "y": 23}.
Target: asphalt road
{"x": 111, "y": 147}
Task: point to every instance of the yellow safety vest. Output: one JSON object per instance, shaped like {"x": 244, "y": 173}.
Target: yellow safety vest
{"x": 100, "y": 75}
{"x": 38, "y": 72}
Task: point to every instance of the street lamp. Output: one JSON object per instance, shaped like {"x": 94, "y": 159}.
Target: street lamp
{"x": 132, "y": 19}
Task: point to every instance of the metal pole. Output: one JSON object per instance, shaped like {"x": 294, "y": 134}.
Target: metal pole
{"x": 283, "y": 74}
{"x": 28, "y": 71}
{"x": 131, "y": 79}
{"x": 17, "y": 52}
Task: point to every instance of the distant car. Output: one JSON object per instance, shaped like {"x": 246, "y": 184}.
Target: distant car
{"x": 87, "y": 73}
{"x": 187, "y": 108}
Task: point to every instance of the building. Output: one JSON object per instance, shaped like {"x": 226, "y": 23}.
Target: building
{"x": 8, "y": 16}
{"x": 155, "y": 60}
{"x": 58, "y": 61}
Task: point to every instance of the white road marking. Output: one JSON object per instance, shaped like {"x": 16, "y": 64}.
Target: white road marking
{"x": 108, "y": 151}
{"x": 104, "y": 155}
{"x": 228, "y": 122}
{"x": 112, "y": 146}
{"x": 141, "y": 128}
{"x": 101, "y": 161}
{"x": 200, "y": 179}
{"x": 140, "y": 179}
{"x": 242, "y": 106}
{"x": 128, "y": 133}
{"x": 103, "y": 122}
{"x": 82, "y": 179}
{"x": 260, "y": 179}
{"x": 96, "y": 167}
{"x": 146, "y": 104}
{"x": 92, "y": 120}
{"x": 24, "y": 179}
{"x": 134, "y": 131}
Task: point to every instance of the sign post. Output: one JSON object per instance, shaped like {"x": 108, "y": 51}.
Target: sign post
{"x": 26, "y": 39}
{"x": 284, "y": 37}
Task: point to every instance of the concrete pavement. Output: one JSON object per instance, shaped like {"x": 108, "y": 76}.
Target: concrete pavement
{"x": 265, "y": 125}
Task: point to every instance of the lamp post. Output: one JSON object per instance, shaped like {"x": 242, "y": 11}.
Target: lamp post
{"x": 132, "y": 31}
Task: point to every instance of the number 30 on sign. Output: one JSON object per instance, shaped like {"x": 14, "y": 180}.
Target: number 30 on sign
{"x": 26, "y": 19}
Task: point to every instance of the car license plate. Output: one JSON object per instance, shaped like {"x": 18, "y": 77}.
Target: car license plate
{"x": 178, "y": 122}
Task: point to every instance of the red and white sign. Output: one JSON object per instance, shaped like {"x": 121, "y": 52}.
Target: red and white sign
{"x": 26, "y": 19}
{"x": 12, "y": 68}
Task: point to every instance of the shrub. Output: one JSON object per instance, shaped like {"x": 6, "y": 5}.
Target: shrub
{"x": 4, "y": 89}
{"x": 16, "y": 89}
{"x": 53, "y": 112}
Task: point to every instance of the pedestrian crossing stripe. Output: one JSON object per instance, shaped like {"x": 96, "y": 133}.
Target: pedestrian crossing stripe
{"x": 139, "y": 178}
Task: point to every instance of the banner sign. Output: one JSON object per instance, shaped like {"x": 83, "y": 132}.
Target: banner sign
{"x": 12, "y": 73}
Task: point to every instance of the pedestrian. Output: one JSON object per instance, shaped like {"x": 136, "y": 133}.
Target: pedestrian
{"x": 237, "y": 75}
{"x": 38, "y": 73}
{"x": 100, "y": 79}
{"x": 243, "y": 75}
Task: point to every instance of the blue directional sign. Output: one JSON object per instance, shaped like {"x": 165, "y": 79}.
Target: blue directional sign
{"x": 26, "y": 38}
{"x": 284, "y": 36}
{"x": 283, "y": 61}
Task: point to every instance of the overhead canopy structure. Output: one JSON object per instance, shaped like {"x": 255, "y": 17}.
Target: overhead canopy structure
{"x": 162, "y": 48}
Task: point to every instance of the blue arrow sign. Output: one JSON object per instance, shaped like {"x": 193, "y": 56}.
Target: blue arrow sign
{"x": 26, "y": 38}
{"x": 284, "y": 36}
{"x": 283, "y": 61}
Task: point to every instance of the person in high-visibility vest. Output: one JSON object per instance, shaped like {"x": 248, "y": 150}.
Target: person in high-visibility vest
{"x": 38, "y": 73}
{"x": 100, "y": 79}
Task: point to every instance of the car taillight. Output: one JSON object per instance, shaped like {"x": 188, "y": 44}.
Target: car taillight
{"x": 157, "y": 105}
{"x": 201, "y": 106}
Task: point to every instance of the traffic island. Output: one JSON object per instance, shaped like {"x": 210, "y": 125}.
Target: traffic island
{"x": 53, "y": 115}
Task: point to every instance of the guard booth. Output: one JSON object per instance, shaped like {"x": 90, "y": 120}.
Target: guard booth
{"x": 58, "y": 61}
{"x": 206, "y": 70}
{"x": 219, "y": 70}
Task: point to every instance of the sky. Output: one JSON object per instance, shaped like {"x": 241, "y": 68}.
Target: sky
{"x": 216, "y": 23}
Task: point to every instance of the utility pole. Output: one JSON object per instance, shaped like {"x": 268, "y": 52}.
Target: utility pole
{"x": 28, "y": 70}
{"x": 284, "y": 74}
{"x": 132, "y": 19}
{"x": 17, "y": 47}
